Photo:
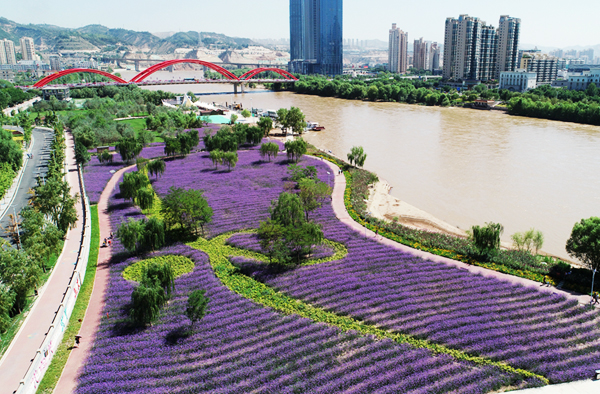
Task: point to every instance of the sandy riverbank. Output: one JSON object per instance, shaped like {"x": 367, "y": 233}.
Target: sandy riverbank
{"x": 384, "y": 206}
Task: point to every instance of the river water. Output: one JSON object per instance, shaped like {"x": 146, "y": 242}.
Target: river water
{"x": 463, "y": 166}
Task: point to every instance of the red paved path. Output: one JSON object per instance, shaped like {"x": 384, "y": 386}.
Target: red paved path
{"x": 28, "y": 340}
{"x": 93, "y": 314}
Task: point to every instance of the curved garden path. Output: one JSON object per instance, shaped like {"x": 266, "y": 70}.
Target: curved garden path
{"x": 89, "y": 327}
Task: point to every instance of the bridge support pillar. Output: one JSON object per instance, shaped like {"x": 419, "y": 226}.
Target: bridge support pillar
{"x": 235, "y": 88}
{"x": 137, "y": 66}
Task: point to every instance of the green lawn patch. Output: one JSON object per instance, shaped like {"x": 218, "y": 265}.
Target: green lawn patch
{"x": 181, "y": 265}
{"x": 59, "y": 360}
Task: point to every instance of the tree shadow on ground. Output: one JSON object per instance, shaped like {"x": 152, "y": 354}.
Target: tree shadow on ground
{"x": 177, "y": 335}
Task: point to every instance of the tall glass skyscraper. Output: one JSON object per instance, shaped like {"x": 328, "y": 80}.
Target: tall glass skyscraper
{"x": 316, "y": 36}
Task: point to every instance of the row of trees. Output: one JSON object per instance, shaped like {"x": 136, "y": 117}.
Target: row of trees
{"x": 11, "y": 96}
{"x": 11, "y": 159}
{"x": 229, "y": 139}
{"x": 554, "y": 109}
{"x": 38, "y": 235}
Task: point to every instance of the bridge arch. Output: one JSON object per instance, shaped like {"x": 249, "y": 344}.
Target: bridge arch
{"x": 257, "y": 71}
{"x": 152, "y": 69}
{"x": 44, "y": 81}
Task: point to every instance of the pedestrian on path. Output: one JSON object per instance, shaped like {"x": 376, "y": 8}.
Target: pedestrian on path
{"x": 595, "y": 299}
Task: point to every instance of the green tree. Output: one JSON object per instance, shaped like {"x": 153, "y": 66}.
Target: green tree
{"x": 282, "y": 118}
{"x": 146, "y": 301}
{"x": 295, "y": 120}
{"x": 584, "y": 242}
{"x": 26, "y": 125}
{"x": 196, "y": 306}
{"x": 10, "y": 151}
{"x": 270, "y": 235}
{"x": 105, "y": 157}
{"x": 172, "y": 146}
{"x": 53, "y": 198}
{"x": 269, "y": 149}
{"x": 233, "y": 119}
{"x": 486, "y": 239}
{"x": 128, "y": 148}
{"x": 40, "y": 238}
{"x": 230, "y": 158}
{"x": 157, "y": 167}
{"x": 145, "y": 198}
{"x": 216, "y": 156}
{"x": 131, "y": 234}
{"x": 246, "y": 114}
{"x": 312, "y": 194}
{"x": 186, "y": 208}
{"x": 530, "y": 241}
{"x": 160, "y": 275}
{"x": 18, "y": 271}
{"x": 153, "y": 235}
{"x": 266, "y": 125}
{"x": 133, "y": 183}
{"x": 357, "y": 156}
{"x": 82, "y": 156}
{"x": 7, "y": 301}
{"x": 295, "y": 149}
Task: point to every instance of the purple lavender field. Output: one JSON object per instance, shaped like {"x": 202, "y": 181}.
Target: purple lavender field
{"x": 241, "y": 346}
{"x": 96, "y": 175}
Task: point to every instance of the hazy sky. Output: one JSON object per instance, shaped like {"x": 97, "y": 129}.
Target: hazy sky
{"x": 544, "y": 23}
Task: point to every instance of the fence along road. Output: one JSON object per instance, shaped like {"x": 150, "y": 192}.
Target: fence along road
{"x": 28, "y": 357}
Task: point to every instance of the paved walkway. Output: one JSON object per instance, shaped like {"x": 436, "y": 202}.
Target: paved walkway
{"x": 89, "y": 327}
{"x": 22, "y": 350}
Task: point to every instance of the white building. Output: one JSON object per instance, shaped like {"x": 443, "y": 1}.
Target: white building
{"x": 518, "y": 81}
{"x": 27, "y": 49}
{"x": 583, "y": 80}
{"x": 7, "y": 52}
{"x": 398, "y": 50}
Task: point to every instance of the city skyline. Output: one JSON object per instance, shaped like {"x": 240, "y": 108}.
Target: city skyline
{"x": 270, "y": 18}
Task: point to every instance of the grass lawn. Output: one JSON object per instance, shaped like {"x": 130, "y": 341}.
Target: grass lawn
{"x": 8, "y": 336}
{"x": 64, "y": 349}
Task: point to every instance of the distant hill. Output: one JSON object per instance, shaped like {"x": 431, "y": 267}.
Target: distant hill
{"x": 97, "y": 38}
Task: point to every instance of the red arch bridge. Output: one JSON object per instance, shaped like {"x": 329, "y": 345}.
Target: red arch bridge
{"x": 141, "y": 77}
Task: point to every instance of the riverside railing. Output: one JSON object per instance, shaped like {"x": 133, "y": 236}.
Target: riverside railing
{"x": 54, "y": 336}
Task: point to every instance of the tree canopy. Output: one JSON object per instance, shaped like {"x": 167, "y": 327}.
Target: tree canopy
{"x": 584, "y": 242}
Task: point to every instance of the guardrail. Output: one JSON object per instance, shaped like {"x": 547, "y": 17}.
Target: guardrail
{"x": 44, "y": 354}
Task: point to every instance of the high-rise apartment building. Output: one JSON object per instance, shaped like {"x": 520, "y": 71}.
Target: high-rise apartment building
{"x": 27, "y": 48}
{"x": 398, "y": 50}
{"x": 421, "y": 54}
{"x": 472, "y": 49}
{"x": 7, "y": 52}
{"x": 546, "y": 67}
{"x": 316, "y": 36}
{"x": 434, "y": 56}
{"x": 55, "y": 63}
{"x": 508, "y": 44}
